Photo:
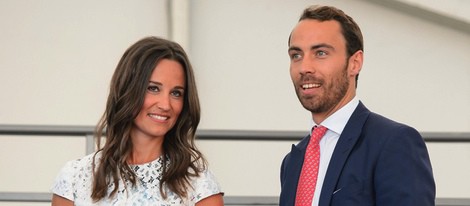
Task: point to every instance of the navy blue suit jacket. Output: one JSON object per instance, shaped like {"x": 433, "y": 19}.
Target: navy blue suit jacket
{"x": 376, "y": 162}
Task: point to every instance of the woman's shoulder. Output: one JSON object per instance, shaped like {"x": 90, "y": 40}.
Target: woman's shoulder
{"x": 75, "y": 173}
{"x": 207, "y": 174}
{"x": 206, "y": 184}
{"x": 85, "y": 162}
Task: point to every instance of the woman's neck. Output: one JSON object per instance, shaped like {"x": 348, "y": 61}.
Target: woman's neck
{"x": 145, "y": 150}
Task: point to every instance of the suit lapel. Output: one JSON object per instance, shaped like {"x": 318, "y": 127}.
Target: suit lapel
{"x": 346, "y": 142}
{"x": 293, "y": 170}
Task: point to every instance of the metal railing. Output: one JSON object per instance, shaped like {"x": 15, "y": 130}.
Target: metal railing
{"x": 88, "y": 133}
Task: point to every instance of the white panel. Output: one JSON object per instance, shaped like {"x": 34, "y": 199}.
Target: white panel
{"x": 459, "y": 9}
{"x": 31, "y": 163}
{"x": 414, "y": 72}
{"x": 180, "y": 22}
{"x": 57, "y": 56}
{"x": 246, "y": 168}
{"x": 451, "y": 168}
{"x": 239, "y": 51}
{"x": 25, "y": 203}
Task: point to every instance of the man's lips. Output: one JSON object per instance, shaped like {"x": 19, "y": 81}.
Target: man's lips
{"x": 310, "y": 85}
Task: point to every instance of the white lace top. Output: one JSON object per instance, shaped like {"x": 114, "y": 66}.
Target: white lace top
{"x": 74, "y": 182}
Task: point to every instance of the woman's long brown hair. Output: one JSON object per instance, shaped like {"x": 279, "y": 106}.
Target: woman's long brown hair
{"x": 126, "y": 97}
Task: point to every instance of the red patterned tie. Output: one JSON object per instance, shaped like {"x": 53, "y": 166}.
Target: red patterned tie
{"x": 309, "y": 173}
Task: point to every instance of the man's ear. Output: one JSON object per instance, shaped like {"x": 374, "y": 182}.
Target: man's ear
{"x": 355, "y": 63}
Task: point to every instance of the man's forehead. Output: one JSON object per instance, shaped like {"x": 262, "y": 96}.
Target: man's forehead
{"x": 314, "y": 30}
{"x": 311, "y": 25}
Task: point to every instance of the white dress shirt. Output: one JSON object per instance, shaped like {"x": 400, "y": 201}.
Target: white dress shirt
{"x": 335, "y": 124}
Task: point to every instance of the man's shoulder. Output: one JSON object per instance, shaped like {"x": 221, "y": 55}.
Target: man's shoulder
{"x": 382, "y": 121}
{"x": 380, "y": 126}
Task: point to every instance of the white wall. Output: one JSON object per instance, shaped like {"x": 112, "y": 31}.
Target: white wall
{"x": 57, "y": 58}
{"x": 415, "y": 71}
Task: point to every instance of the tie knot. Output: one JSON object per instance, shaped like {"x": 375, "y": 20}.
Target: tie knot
{"x": 317, "y": 133}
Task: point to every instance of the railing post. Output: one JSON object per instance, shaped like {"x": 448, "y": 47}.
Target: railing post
{"x": 90, "y": 144}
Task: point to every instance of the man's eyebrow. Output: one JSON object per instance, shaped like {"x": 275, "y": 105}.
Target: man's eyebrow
{"x": 314, "y": 47}
{"x": 323, "y": 45}
{"x": 294, "y": 48}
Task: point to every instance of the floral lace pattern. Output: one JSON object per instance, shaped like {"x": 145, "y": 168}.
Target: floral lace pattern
{"x": 74, "y": 182}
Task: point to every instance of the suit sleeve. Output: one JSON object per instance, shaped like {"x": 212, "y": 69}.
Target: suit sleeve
{"x": 403, "y": 173}
{"x": 282, "y": 171}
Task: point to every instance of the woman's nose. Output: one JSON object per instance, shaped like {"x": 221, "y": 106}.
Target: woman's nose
{"x": 164, "y": 102}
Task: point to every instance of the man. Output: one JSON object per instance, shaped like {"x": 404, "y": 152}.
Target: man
{"x": 363, "y": 158}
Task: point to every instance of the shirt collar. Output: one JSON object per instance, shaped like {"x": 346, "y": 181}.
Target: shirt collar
{"x": 337, "y": 121}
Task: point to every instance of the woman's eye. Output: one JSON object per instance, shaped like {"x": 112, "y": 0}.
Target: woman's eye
{"x": 177, "y": 93}
{"x": 153, "y": 88}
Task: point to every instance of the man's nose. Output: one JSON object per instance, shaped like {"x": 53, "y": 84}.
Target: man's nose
{"x": 307, "y": 66}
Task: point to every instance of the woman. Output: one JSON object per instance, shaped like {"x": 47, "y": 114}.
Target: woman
{"x": 149, "y": 157}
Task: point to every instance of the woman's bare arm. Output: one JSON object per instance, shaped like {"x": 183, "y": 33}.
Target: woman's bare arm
{"x": 60, "y": 201}
{"x": 214, "y": 200}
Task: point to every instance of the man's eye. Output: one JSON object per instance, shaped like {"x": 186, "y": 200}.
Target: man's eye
{"x": 321, "y": 53}
{"x": 295, "y": 56}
